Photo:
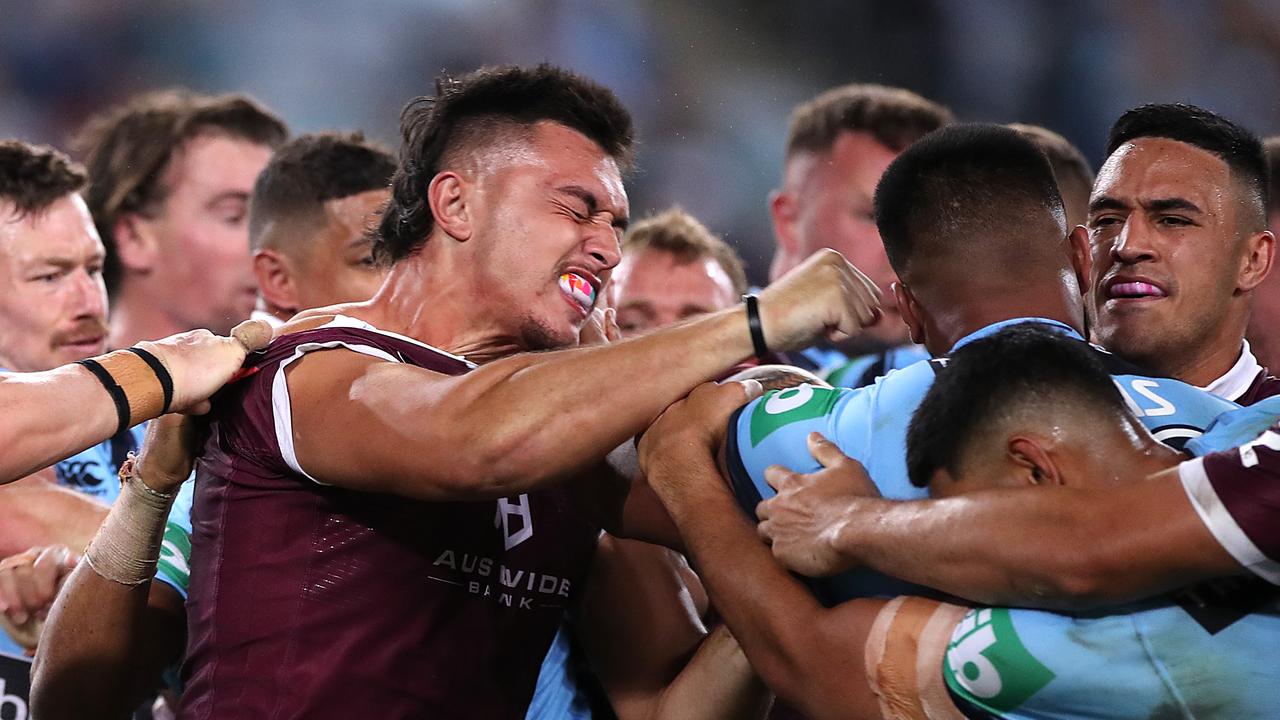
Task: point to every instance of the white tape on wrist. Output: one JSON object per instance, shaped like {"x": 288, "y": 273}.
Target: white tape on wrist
{"x": 127, "y": 546}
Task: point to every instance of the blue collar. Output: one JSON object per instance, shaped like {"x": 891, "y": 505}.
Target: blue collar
{"x": 994, "y": 328}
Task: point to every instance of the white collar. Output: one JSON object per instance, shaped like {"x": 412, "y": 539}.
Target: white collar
{"x": 1236, "y": 381}
{"x": 270, "y": 319}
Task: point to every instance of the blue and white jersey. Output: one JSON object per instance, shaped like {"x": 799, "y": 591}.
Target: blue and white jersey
{"x": 866, "y": 369}
{"x": 870, "y": 424}
{"x": 1208, "y": 651}
{"x": 94, "y": 471}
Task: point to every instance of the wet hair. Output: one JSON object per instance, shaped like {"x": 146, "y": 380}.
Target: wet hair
{"x": 1023, "y": 366}
{"x": 966, "y": 189}
{"x": 1240, "y": 149}
{"x": 310, "y": 170}
{"x": 33, "y": 177}
{"x": 476, "y": 110}
{"x": 677, "y": 232}
{"x": 129, "y": 148}
{"x": 893, "y": 116}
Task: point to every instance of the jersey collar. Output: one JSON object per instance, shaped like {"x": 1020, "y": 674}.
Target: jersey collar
{"x": 994, "y": 328}
{"x": 1236, "y": 381}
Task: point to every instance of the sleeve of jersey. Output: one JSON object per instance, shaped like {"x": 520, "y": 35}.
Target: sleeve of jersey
{"x": 174, "y": 568}
{"x": 1237, "y": 495}
{"x": 772, "y": 430}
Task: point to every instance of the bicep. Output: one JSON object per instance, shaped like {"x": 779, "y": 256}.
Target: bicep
{"x": 367, "y": 424}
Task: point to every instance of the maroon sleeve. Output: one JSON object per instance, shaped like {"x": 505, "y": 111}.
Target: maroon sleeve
{"x": 1237, "y": 494}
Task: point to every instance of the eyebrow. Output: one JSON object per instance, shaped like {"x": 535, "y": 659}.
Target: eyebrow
{"x": 228, "y": 195}
{"x": 588, "y": 198}
{"x": 1106, "y": 203}
{"x": 1163, "y": 204}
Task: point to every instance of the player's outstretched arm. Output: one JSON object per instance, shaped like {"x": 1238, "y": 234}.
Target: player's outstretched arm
{"x": 1056, "y": 548}
{"x": 812, "y": 657}
{"x": 39, "y": 512}
{"x": 521, "y": 422}
{"x": 57, "y": 413}
{"x": 111, "y": 631}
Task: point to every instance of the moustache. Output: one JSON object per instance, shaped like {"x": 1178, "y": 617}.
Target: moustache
{"x": 84, "y": 329}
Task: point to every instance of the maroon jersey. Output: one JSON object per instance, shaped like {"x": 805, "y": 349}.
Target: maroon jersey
{"x": 311, "y": 601}
{"x": 1264, "y": 385}
{"x": 1237, "y": 494}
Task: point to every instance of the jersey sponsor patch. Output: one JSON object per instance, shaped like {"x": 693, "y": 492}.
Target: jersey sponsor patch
{"x": 780, "y": 408}
{"x": 988, "y": 665}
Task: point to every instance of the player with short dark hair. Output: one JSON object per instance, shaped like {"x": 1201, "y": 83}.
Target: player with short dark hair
{"x": 1075, "y": 177}
{"x": 1178, "y": 228}
{"x": 310, "y": 217}
{"x": 410, "y": 511}
{"x": 1264, "y": 322}
{"x": 1055, "y": 419}
{"x": 170, "y": 174}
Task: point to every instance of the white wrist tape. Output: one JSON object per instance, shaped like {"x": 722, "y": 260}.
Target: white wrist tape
{"x": 127, "y": 546}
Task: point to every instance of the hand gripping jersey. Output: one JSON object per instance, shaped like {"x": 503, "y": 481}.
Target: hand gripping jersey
{"x": 308, "y": 600}
{"x": 870, "y": 425}
{"x": 1205, "y": 652}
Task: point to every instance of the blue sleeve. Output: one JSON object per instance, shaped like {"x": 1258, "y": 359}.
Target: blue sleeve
{"x": 1236, "y": 427}
{"x": 772, "y": 430}
{"x": 1174, "y": 412}
{"x": 174, "y": 568}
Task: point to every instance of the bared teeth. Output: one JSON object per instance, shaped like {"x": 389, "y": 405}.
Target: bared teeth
{"x": 579, "y": 289}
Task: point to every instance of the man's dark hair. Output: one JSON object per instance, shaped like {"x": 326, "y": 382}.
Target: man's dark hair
{"x": 312, "y": 169}
{"x": 893, "y": 116}
{"x": 470, "y": 111}
{"x": 128, "y": 149}
{"x": 966, "y": 189}
{"x": 1240, "y": 149}
{"x": 33, "y": 177}
{"x": 991, "y": 377}
{"x": 1075, "y": 176}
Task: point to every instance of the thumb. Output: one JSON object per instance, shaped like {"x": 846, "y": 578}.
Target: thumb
{"x": 252, "y": 334}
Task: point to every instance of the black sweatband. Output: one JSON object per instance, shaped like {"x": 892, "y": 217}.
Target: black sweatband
{"x": 157, "y": 367}
{"x": 757, "y": 328}
{"x": 113, "y": 389}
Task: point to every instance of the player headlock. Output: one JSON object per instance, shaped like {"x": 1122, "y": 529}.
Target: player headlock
{"x": 391, "y": 513}
{"x": 973, "y": 223}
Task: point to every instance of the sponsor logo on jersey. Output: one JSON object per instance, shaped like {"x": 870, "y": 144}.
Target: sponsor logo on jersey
{"x": 174, "y": 554}
{"x": 987, "y": 663}
{"x": 780, "y": 408}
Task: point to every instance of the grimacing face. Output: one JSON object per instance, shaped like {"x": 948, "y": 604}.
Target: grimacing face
{"x": 53, "y": 302}
{"x": 653, "y": 288}
{"x": 555, "y": 207}
{"x": 1165, "y": 234}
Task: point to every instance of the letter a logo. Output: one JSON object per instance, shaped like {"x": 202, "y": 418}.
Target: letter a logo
{"x": 515, "y": 519}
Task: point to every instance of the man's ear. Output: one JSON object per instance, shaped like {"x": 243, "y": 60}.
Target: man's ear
{"x": 276, "y": 283}
{"x": 1255, "y": 265}
{"x": 450, "y": 197}
{"x": 1028, "y": 454}
{"x": 910, "y": 310}
{"x": 1081, "y": 257}
{"x": 136, "y": 244}
{"x": 783, "y": 210}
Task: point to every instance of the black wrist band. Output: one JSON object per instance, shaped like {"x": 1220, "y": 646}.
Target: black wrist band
{"x": 113, "y": 389}
{"x": 757, "y": 328}
{"x": 166, "y": 380}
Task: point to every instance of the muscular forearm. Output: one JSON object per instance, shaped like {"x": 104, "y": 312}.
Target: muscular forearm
{"x": 1054, "y": 548}
{"x": 102, "y": 649}
{"x": 38, "y": 512}
{"x": 787, "y": 636}
{"x": 50, "y": 415}
{"x": 717, "y": 683}
{"x": 577, "y": 405}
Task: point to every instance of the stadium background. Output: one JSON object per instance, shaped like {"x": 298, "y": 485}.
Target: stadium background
{"x": 710, "y": 82}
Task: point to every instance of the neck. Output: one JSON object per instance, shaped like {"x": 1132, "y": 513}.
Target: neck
{"x": 1212, "y": 361}
{"x": 954, "y": 317}
{"x": 431, "y": 298}
{"x": 135, "y": 317}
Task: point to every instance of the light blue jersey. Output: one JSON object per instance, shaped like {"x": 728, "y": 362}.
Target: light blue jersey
{"x": 870, "y": 425}
{"x": 1205, "y": 652}
{"x": 174, "y": 568}
{"x": 866, "y": 369}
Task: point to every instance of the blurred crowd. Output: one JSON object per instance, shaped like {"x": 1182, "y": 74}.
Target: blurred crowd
{"x": 302, "y": 425}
